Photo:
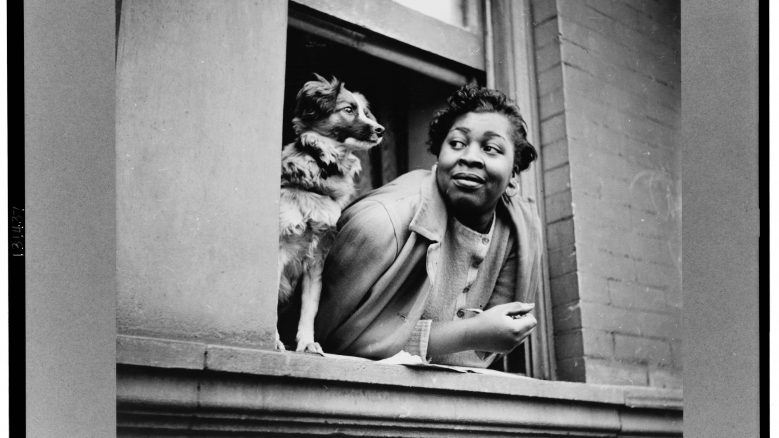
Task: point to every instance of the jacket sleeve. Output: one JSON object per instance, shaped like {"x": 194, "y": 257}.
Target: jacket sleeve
{"x": 365, "y": 246}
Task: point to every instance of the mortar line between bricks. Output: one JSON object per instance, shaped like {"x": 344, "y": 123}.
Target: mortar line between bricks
{"x": 590, "y": 51}
{"x": 624, "y": 134}
{"x": 577, "y": 301}
{"x": 552, "y": 115}
{"x": 602, "y": 35}
{"x": 624, "y": 90}
{"x": 548, "y": 69}
{"x": 616, "y": 19}
{"x": 556, "y": 167}
{"x": 560, "y": 220}
{"x": 621, "y": 110}
{"x": 545, "y": 20}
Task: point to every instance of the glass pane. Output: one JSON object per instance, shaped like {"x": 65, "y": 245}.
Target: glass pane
{"x": 461, "y": 13}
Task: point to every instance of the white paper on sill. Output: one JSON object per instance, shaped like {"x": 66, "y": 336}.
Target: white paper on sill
{"x": 414, "y": 361}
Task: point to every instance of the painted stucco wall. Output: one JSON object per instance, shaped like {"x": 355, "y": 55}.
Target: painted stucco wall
{"x": 198, "y": 126}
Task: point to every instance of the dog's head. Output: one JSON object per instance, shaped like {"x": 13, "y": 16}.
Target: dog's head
{"x": 328, "y": 108}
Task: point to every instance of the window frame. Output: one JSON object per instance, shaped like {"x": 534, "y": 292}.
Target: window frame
{"x": 507, "y": 35}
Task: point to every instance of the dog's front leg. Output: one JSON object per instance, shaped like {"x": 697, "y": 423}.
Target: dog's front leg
{"x": 309, "y": 304}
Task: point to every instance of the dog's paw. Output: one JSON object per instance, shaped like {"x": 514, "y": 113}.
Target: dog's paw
{"x": 309, "y": 347}
{"x": 279, "y": 345}
{"x": 310, "y": 139}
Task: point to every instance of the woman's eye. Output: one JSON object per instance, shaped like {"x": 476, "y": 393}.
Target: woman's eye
{"x": 492, "y": 149}
{"x": 456, "y": 144}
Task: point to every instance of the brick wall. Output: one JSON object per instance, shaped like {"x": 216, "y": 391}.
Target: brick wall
{"x": 608, "y": 77}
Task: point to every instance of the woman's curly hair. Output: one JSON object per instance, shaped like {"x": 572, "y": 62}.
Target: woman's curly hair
{"x": 473, "y": 99}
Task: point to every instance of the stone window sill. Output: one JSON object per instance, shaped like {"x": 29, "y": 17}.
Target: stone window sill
{"x": 178, "y": 385}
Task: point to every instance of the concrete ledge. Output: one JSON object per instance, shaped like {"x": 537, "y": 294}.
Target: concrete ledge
{"x": 183, "y": 388}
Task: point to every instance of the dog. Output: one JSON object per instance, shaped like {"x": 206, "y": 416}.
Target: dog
{"x": 317, "y": 182}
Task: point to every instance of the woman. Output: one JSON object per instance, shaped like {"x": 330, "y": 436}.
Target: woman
{"x": 443, "y": 263}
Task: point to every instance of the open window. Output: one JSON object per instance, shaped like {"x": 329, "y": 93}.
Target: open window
{"x": 406, "y": 62}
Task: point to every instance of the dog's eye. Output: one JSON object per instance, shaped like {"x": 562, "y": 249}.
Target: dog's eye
{"x": 348, "y": 110}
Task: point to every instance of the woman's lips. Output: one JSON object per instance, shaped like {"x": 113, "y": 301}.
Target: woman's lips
{"x": 467, "y": 181}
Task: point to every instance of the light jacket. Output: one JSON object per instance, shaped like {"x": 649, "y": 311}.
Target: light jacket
{"x": 376, "y": 276}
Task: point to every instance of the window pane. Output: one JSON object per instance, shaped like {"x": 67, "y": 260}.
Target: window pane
{"x": 461, "y": 13}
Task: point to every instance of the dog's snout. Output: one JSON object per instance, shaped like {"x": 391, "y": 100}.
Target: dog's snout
{"x": 379, "y": 130}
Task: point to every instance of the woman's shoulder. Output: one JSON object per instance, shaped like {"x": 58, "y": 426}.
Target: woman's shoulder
{"x": 397, "y": 200}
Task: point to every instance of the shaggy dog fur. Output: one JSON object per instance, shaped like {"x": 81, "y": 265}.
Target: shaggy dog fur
{"x": 317, "y": 181}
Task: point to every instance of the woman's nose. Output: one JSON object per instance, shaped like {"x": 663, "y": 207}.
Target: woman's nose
{"x": 471, "y": 155}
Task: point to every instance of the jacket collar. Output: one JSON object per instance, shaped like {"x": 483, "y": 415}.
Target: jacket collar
{"x": 430, "y": 219}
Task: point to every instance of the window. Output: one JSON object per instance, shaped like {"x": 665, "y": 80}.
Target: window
{"x": 406, "y": 74}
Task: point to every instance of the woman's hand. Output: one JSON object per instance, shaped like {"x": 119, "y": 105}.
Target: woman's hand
{"x": 501, "y": 328}
{"x": 498, "y": 330}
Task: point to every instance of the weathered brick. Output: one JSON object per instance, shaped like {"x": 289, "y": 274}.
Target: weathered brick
{"x": 616, "y": 11}
{"x": 579, "y": 343}
{"x": 566, "y": 317}
{"x": 642, "y": 350}
{"x": 571, "y": 370}
{"x": 585, "y": 82}
{"x": 546, "y": 33}
{"x": 620, "y": 75}
{"x": 593, "y": 116}
{"x": 592, "y": 209}
{"x": 554, "y": 154}
{"x": 604, "y": 17}
{"x": 639, "y": 154}
{"x": 665, "y": 378}
{"x": 557, "y": 180}
{"x": 642, "y": 47}
{"x": 674, "y": 298}
{"x": 601, "y": 262}
{"x": 568, "y": 345}
{"x": 551, "y": 104}
{"x": 665, "y": 252}
{"x": 630, "y": 295}
{"x": 547, "y": 58}
{"x": 595, "y": 237}
{"x": 633, "y": 125}
{"x": 553, "y": 129}
{"x": 610, "y": 48}
{"x": 598, "y": 343}
{"x": 564, "y": 289}
{"x": 550, "y": 80}
{"x": 661, "y": 276}
{"x": 593, "y": 288}
{"x": 562, "y": 261}
{"x": 645, "y": 222}
{"x": 614, "y": 373}
{"x": 628, "y": 321}
{"x": 558, "y": 206}
{"x": 543, "y": 10}
{"x": 559, "y": 234}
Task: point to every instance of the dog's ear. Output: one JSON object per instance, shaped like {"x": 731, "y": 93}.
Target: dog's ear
{"x": 321, "y": 78}
{"x": 317, "y": 99}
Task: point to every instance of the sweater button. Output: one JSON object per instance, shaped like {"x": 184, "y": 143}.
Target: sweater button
{"x": 466, "y": 289}
{"x": 460, "y": 313}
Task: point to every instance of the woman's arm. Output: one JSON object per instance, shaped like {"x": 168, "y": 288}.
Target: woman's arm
{"x": 499, "y": 329}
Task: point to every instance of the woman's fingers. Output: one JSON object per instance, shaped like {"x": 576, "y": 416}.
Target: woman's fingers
{"x": 516, "y": 308}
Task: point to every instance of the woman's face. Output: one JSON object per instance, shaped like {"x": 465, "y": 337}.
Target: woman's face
{"x": 475, "y": 165}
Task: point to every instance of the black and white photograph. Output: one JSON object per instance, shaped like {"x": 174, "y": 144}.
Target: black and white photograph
{"x": 417, "y": 218}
